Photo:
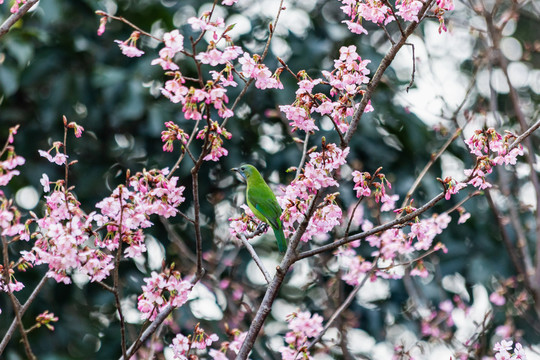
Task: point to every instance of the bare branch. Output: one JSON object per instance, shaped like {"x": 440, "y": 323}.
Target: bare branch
{"x": 14, "y": 302}
{"x": 343, "y": 306}
{"x": 256, "y": 258}
{"x": 22, "y": 310}
{"x": 426, "y": 168}
{"x": 413, "y": 67}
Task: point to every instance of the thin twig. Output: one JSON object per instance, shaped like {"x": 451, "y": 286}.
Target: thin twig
{"x": 186, "y": 147}
{"x": 426, "y": 168}
{"x": 116, "y": 280}
{"x": 263, "y": 56}
{"x": 505, "y": 236}
{"x": 463, "y": 201}
{"x": 304, "y": 155}
{"x": 343, "y": 306}
{"x": 196, "y": 205}
{"x": 175, "y": 238}
{"x": 127, "y": 22}
{"x": 495, "y": 34}
{"x": 256, "y": 258}
{"x": 360, "y": 199}
{"x": 10, "y": 21}
{"x": 413, "y": 67}
{"x": 14, "y": 302}
{"x": 525, "y": 135}
{"x": 22, "y": 310}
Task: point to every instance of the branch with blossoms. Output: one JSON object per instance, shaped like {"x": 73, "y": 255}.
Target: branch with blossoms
{"x": 18, "y": 10}
{"x": 67, "y": 240}
{"x": 520, "y": 253}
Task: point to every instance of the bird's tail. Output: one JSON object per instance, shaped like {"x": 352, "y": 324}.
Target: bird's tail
{"x": 280, "y": 238}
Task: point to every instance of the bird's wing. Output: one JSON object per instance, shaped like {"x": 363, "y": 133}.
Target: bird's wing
{"x": 265, "y": 201}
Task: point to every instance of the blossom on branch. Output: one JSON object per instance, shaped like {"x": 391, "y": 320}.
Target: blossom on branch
{"x": 129, "y": 46}
{"x": 303, "y": 326}
{"x": 160, "y": 290}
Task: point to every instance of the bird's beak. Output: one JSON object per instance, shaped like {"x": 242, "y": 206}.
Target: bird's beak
{"x": 237, "y": 170}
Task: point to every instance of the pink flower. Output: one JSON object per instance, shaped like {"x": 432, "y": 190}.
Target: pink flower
{"x": 497, "y": 298}
{"x": 213, "y": 57}
{"x": 102, "y": 23}
{"x": 355, "y": 27}
{"x": 503, "y": 345}
{"x": 180, "y": 346}
{"x": 44, "y": 181}
{"x": 129, "y": 50}
{"x": 160, "y": 290}
{"x": 299, "y": 118}
{"x": 408, "y": 9}
{"x": 174, "y": 41}
{"x": 446, "y": 4}
{"x": 165, "y": 59}
{"x": 463, "y": 217}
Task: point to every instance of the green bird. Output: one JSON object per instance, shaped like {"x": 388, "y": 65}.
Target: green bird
{"x": 262, "y": 201}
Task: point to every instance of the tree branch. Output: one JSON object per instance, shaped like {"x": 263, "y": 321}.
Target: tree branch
{"x": 10, "y": 21}
{"x": 256, "y": 258}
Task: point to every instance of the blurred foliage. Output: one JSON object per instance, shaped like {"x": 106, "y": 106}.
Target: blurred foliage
{"x": 53, "y": 64}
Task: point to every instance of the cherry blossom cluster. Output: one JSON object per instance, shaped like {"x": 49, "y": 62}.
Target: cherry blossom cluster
{"x": 67, "y": 239}
{"x": 12, "y": 160}
{"x": 363, "y": 181}
{"x": 490, "y": 149}
{"x": 45, "y": 319}
{"x": 215, "y": 134}
{"x": 382, "y": 13}
{"x": 200, "y": 340}
{"x": 302, "y": 326}
{"x": 505, "y": 350}
{"x": 346, "y": 81}
{"x": 160, "y": 290}
{"x": 390, "y": 246}
{"x": 62, "y": 238}
{"x": 174, "y": 43}
{"x": 317, "y": 174}
{"x": 126, "y": 212}
{"x": 13, "y": 286}
{"x": 252, "y": 68}
{"x": 10, "y": 216}
{"x": 172, "y": 133}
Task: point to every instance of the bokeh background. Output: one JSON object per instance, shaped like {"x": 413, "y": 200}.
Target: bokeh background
{"x": 53, "y": 63}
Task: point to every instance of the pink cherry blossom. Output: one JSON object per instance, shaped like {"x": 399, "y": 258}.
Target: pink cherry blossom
{"x": 129, "y": 47}
{"x": 174, "y": 41}
{"x": 160, "y": 290}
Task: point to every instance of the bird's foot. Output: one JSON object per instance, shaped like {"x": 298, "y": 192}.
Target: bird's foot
{"x": 262, "y": 227}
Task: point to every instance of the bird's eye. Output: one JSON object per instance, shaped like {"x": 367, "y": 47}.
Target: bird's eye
{"x": 242, "y": 168}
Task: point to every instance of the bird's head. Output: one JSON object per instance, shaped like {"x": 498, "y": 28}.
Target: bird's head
{"x": 246, "y": 171}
